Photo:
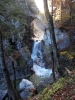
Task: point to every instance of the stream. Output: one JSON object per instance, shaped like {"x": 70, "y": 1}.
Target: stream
{"x": 39, "y": 66}
{"x": 38, "y": 62}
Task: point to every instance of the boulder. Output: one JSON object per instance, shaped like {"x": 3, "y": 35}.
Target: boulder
{"x": 27, "y": 86}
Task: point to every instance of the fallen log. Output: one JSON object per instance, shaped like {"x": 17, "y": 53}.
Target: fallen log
{"x": 68, "y": 71}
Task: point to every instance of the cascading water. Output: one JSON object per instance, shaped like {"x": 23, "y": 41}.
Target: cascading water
{"x": 38, "y": 63}
{"x": 36, "y": 53}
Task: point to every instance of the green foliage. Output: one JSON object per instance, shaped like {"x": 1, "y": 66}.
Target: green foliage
{"x": 5, "y": 1}
{"x": 10, "y": 11}
{"x": 16, "y": 12}
{"x": 70, "y": 53}
{"x": 3, "y": 4}
{"x": 46, "y": 93}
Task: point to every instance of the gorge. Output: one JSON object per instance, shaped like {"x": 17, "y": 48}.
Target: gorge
{"x": 27, "y": 43}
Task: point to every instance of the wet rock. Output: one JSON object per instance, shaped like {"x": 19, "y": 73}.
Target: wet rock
{"x": 27, "y": 86}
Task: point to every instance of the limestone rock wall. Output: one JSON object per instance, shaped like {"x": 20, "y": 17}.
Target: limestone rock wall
{"x": 29, "y": 7}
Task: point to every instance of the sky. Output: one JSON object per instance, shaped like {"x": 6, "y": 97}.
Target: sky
{"x": 39, "y": 4}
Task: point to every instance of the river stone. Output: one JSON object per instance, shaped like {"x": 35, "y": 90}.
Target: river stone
{"x": 26, "y": 84}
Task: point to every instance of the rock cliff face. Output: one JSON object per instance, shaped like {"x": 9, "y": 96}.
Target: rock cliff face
{"x": 15, "y": 19}
{"x": 21, "y": 24}
{"x": 29, "y": 7}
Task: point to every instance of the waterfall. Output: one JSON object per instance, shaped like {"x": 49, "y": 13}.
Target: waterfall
{"x": 36, "y": 52}
{"x": 38, "y": 63}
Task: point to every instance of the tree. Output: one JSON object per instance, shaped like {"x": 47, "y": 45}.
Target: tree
{"x": 51, "y": 30}
{"x": 13, "y": 94}
{"x": 52, "y": 8}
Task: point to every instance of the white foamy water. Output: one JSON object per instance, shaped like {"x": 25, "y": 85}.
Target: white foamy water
{"x": 39, "y": 71}
{"x": 34, "y": 52}
{"x": 38, "y": 64}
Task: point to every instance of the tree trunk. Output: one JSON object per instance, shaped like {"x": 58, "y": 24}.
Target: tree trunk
{"x": 70, "y": 5}
{"x": 52, "y": 8}
{"x": 53, "y": 73}
{"x": 13, "y": 94}
{"x": 51, "y": 30}
{"x": 14, "y": 75}
{"x": 61, "y": 11}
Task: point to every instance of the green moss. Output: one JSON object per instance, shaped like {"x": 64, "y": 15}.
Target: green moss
{"x": 70, "y": 53}
{"x": 46, "y": 93}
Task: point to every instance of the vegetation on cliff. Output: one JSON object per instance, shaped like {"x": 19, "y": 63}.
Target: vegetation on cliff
{"x": 16, "y": 44}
